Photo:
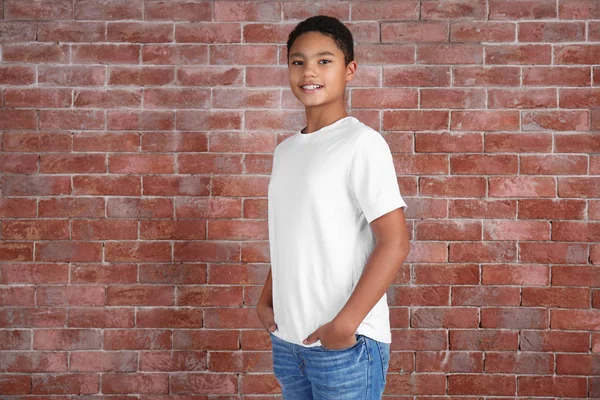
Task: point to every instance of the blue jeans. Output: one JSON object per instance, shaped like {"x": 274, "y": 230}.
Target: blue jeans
{"x": 357, "y": 372}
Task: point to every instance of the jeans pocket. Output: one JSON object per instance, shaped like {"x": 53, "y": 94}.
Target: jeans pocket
{"x": 384, "y": 355}
{"x": 359, "y": 339}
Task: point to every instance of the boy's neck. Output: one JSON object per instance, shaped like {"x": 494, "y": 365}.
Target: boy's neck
{"x": 317, "y": 119}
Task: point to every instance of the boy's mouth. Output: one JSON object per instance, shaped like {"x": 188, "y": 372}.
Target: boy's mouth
{"x": 311, "y": 88}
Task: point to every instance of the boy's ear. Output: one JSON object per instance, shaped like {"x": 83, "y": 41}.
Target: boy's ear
{"x": 351, "y": 70}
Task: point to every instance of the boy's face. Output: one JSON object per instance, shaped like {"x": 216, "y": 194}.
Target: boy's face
{"x": 315, "y": 59}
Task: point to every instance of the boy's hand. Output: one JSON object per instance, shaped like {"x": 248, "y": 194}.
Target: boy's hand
{"x": 266, "y": 316}
{"x": 332, "y": 336}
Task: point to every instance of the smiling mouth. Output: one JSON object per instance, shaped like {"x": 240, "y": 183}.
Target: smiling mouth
{"x": 310, "y": 88}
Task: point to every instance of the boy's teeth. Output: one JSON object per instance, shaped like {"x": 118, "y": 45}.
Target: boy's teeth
{"x": 311, "y": 86}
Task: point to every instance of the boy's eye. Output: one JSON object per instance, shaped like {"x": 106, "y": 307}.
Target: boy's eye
{"x": 300, "y": 62}
{"x": 326, "y": 61}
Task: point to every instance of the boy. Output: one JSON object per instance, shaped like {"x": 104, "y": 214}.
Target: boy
{"x": 336, "y": 229}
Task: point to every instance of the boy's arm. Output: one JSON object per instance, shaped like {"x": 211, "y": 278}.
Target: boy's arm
{"x": 391, "y": 248}
{"x": 266, "y": 296}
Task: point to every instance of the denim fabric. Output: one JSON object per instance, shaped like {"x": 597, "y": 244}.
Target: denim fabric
{"x": 357, "y": 372}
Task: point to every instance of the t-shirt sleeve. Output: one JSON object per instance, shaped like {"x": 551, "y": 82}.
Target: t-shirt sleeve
{"x": 373, "y": 178}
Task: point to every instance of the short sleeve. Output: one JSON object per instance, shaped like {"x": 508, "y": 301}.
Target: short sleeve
{"x": 373, "y": 178}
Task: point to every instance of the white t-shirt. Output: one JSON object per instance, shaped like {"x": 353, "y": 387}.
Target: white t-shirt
{"x": 325, "y": 189}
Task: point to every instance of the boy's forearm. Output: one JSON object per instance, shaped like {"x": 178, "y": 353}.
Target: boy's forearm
{"x": 379, "y": 273}
{"x": 266, "y": 296}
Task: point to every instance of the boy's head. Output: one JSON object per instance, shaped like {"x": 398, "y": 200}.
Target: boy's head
{"x": 320, "y": 53}
{"x": 329, "y": 26}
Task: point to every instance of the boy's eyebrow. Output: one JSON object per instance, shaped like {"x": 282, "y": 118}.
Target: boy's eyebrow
{"x": 323, "y": 53}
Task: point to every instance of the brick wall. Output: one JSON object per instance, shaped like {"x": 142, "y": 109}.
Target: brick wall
{"x": 136, "y": 151}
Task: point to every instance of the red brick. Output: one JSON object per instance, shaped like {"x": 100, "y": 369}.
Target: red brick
{"x": 453, "y": 186}
{"x": 516, "y": 230}
{"x": 92, "y": 361}
{"x": 485, "y": 120}
{"x": 556, "y": 76}
{"x": 555, "y": 341}
{"x": 44, "y": 53}
{"x": 17, "y": 208}
{"x": 551, "y": 32}
{"x": 16, "y": 251}
{"x": 519, "y": 363}
{"x": 553, "y": 253}
{"x": 414, "y": 32}
{"x": 515, "y": 318}
{"x": 552, "y": 386}
{"x": 485, "y": 296}
{"x": 419, "y": 340}
{"x": 487, "y": 76}
{"x": 570, "y": 231}
{"x": 35, "y": 230}
{"x": 103, "y": 273}
{"x": 588, "y": 187}
{"x": 579, "y": 9}
{"x": 170, "y": 318}
{"x": 18, "y": 119}
{"x": 385, "y": 53}
{"x": 72, "y": 119}
{"x": 101, "y": 318}
{"x": 483, "y": 208}
{"x": 555, "y": 120}
{"x": 175, "y": 361}
{"x": 210, "y": 297}
{"x": 420, "y": 296}
{"x": 34, "y": 97}
{"x": 448, "y": 142}
{"x": 106, "y": 53}
{"x": 18, "y": 75}
{"x": 522, "y": 9}
{"x": 15, "y": 384}
{"x": 206, "y": 339}
{"x": 15, "y": 340}
{"x": 523, "y": 274}
{"x": 108, "y": 9}
{"x": 170, "y": 54}
{"x": 500, "y": 385}
{"x": 444, "y": 318}
{"x": 137, "y": 339}
{"x": 554, "y": 165}
{"x": 76, "y": 75}
{"x": 140, "y": 295}
{"x": 67, "y": 251}
{"x": 135, "y": 383}
{"x": 482, "y": 32}
{"x": 577, "y": 54}
{"x": 72, "y": 163}
{"x": 556, "y": 297}
{"x": 422, "y": 76}
{"x": 475, "y": 164}
{"x": 36, "y": 185}
{"x": 415, "y": 120}
{"x": 385, "y": 10}
{"x": 449, "y": 54}
{"x": 522, "y": 186}
{"x": 522, "y": 98}
{"x": 452, "y": 98}
{"x": 484, "y": 340}
{"x": 453, "y": 9}
{"x": 107, "y": 185}
{"x": 455, "y": 274}
{"x": 551, "y": 209}
{"x": 71, "y": 207}
{"x": 520, "y": 54}
{"x": 180, "y": 11}
{"x": 575, "y": 275}
{"x": 448, "y": 230}
{"x": 67, "y": 339}
{"x": 71, "y": 31}
{"x": 204, "y": 383}
{"x": 104, "y": 229}
{"x": 491, "y": 252}
{"x": 132, "y": 251}
{"x": 139, "y": 32}
{"x": 70, "y": 296}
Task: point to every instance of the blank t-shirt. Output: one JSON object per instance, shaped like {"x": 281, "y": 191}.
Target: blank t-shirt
{"x": 325, "y": 189}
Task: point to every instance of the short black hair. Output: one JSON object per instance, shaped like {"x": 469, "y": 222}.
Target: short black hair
{"x": 329, "y": 26}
